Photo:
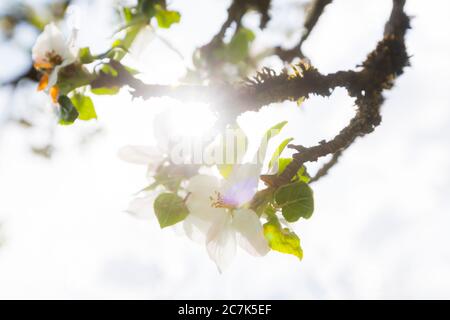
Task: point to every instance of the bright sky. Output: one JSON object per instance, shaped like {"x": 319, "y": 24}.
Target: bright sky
{"x": 381, "y": 222}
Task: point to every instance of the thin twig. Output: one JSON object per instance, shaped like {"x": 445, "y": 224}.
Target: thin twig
{"x": 322, "y": 172}
{"x": 315, "y": 11}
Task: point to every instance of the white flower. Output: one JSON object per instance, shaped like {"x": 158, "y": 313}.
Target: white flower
{"x": 50, "y": 54}
{"x": 219, "y": 216}
{"x": 219, "y": 209}
{"x": 166, "y": 137}
{"x": 152, "y": 157}
{"x": 219, "y": 212}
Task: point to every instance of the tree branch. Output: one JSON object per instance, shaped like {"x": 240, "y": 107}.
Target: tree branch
{"x": 366, "y": 85}
{"x": 322, "y": 172}
{"x": 317, "y": 7}
{"x": 380, "y": 69}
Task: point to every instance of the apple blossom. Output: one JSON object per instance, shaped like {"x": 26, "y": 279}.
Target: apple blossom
{"x": 50, "y": 54}
{"x": 218, "y": 210}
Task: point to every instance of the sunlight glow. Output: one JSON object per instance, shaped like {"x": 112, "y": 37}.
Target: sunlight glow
{"x": 192, "y": 119}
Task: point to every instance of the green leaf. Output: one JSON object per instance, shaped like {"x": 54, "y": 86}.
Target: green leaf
{"x": 166, "y": 178}
{"x": 301, "y": 175}
{"x": 296, "y": 201}
{"x": 166, "y": 18}
{"x": 72, "y": 77}
{"x": 282, "y": 164}
{"x": 170, "y": 209}
{"x": 262, "y": 202}
{"x": 84, "y": 106}
{"x": 131, "y": 71}
{"x": 68, "y": 112}
{"x": 126, "y": 42}
{"x": 239, "y": 46}
{"x": 225, "y": 169}
{"x": 109, "y": 69}
{"x": 35, "y": 19}
{"x": 300, "y": 101}
{"x": 105, "y": 91}
{"x": 127, "y": 14}
{"x": 278, "y": 151}
{"x": 282, "y": 239}
{"x": 85, "y": 55}
{"x": 275, "y": 130}
{"x": 269, "y": 134}
{"x": 147, "y": 7}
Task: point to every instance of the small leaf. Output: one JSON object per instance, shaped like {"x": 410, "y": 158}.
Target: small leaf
{"x": 282, "y": 239}
{"x": 127, "y": 15}
{"x": 296, "y": 201}
{"x": 35, "y": 19}
{"x": 147, "y": 7}
{"x": 269, "y": 134}
{"x": 127, "y": 41}
{"x": 170, "y": 209}
{"x": 84, "y": 106}
{"x": 166, "y": 18}
{"x": 131, "y": 71}
{"x": 262, "y": 202}
{"x": 300, "y": 101}
{"x": 278, "y": 151}
{"x": 105, "y": 91}
{"x": 239, "y": 46}
{"x": 68, "y": 112}
{"x": 301, "y": 175}
{"x": 225, "y": 169}
{"x": 168, "y": 180}
{"x": 85, "y": 55}
{"x": 275, "y": 130}
{"x": 108, "y": 69}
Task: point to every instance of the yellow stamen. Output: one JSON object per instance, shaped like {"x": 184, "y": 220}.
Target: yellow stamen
{"x": 43, "y": 82}
{"x": 218, "y": 202}
{"x": 43, "y": 65}
{"x": 54, "y": 93}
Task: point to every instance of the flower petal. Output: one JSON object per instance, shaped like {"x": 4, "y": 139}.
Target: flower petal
{"x": 202, "y": 214}
{"x": 196, "y": 228}
{"x": 53, "y": 40}
{"x": 250, "y": 232}
{"x": 221, "y": 242}
{"x": 242, "y": 184}
{"x": 53, "y": 78}
{"x": 42, "y": 44}
{"x": 145, "y": 155}
{"x": 142, "y": 207}
{"x": 50, "y": 39}
{"x": 203, "y": 184}
{"x": 202, "y": 190}
{"x": 200, "y": 205}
